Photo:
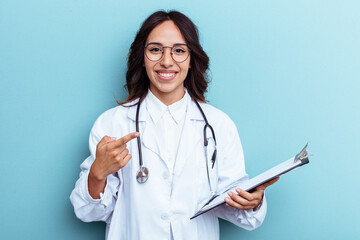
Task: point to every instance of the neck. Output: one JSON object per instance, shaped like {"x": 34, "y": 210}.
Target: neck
{"x": 168, "y": 98}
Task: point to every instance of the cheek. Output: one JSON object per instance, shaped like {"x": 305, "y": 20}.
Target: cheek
{"x": 148, "y": 67}
{"x": 185, "y": 69}
{"x": 186, "y": 72}
{"x": 186, "y": 66}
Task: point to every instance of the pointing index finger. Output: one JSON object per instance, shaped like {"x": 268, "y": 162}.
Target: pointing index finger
{"x": 127, "y": 138}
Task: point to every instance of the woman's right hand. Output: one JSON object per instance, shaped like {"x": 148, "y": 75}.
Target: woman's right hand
{"x": 111, "y": 156}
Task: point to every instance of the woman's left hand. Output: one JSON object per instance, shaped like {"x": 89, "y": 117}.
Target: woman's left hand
{"x": 244, "y": 200}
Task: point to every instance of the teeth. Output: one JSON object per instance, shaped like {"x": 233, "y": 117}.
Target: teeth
{"x": 166, "y": 74}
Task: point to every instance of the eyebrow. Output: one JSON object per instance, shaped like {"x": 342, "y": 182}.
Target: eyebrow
{"x": 157, "y": 43}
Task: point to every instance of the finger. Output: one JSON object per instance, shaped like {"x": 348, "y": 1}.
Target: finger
{"x": 122, "y": 155}
{"x": 125, "y": 160}
{"x": 271, "y": 182}
{"x": 248, "y": 196}
{"x": 238, "y": 199}
{"x": 105, "y": 140}
{"x": 234, "y": 204}
{"x": 115, "y": 151}
{"x": 126, "y": 139}
{"x": 121, "y": 148}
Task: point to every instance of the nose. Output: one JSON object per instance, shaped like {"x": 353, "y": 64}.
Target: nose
{"x": 167, "y": 60}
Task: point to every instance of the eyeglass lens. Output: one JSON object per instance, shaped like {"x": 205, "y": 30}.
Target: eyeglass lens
{"x": 179, "y": 53}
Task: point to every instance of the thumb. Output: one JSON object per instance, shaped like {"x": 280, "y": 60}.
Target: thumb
{"x": 265, "y": 185}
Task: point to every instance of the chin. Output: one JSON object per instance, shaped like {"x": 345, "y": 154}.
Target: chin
{"x": 168, "y": 88}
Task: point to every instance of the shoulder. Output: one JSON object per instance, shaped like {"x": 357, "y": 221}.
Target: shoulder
{"x": 217, "y": 119}
{"x": 113, "y": 119}
{"x": 215, "y": 115}
{"x": 118, "y": 112}
{"x": 112, "y": 114}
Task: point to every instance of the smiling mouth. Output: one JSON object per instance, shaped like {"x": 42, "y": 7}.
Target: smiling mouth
{"x": 166, "y": 75}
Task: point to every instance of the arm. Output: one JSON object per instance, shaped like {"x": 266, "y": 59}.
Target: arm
{"x": 249, "y": 209}
{"x": 95, "y": 192}
{"x": 86, "y": 207}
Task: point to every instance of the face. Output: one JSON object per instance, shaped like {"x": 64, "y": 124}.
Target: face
{"x": 167, "y": 76}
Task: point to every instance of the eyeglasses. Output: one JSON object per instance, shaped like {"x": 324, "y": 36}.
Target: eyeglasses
{"x": 155, "y": 51}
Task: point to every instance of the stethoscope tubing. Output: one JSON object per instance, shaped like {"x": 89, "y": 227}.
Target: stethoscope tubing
{"x": 138, "y": 138}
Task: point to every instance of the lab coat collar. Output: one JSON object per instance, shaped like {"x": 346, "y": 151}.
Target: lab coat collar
{"x": 193, "y": 112}
{"x": 132, "y": 111}
{"x": 154, "y": 106}
{"x": 157, "y": 109}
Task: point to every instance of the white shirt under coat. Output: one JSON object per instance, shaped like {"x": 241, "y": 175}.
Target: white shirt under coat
{"x": 168, "y": 122}
{"x": 146, "y": 211}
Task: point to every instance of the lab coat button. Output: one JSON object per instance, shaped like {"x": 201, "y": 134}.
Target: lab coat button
{"x": 164, "y": 216}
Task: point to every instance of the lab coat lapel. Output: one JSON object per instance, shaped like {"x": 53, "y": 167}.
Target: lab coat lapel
{"x": 190, "y": 138}
{"x": 147, "y": 131}
{"x": 150, "y": 140}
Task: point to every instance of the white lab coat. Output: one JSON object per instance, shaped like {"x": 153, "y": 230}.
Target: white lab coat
{"x": 150, "y": 210}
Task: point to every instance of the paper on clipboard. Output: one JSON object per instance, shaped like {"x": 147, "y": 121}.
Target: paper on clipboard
{"x": 250, "y": 184}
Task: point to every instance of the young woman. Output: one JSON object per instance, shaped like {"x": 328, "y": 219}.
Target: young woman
{"x": 150, "y": 187}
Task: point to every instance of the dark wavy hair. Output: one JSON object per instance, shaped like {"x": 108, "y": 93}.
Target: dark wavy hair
{"x": 137, "y": 81}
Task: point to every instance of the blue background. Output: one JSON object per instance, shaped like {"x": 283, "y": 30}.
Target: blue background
{"x": 286, "y": 72}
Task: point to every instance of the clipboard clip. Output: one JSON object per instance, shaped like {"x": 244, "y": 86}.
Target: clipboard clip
{"x": 302, "y": 155}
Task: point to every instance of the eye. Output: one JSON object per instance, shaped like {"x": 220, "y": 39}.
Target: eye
{"x": 154, "y": 49}
{"x": 179, "y": 50}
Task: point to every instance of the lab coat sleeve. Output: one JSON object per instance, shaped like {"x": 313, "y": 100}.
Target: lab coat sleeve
{"x": 231, "y": 168}
{"x": 86, "y": 208}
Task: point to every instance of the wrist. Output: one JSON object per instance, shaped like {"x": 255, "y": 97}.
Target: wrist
{"x": 96, "y": 176}
{"x": 96, "y": 184}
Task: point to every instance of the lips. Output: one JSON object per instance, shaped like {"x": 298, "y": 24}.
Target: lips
{"x": 166, "y": 75}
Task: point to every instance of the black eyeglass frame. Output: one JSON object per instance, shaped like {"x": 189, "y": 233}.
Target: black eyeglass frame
{"x": 171, "y": 52}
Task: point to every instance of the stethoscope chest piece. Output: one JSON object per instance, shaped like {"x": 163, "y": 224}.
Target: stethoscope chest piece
{"x": 142, "y": 175}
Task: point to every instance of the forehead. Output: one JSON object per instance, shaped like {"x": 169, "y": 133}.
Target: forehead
{"x": 166, "y": 33}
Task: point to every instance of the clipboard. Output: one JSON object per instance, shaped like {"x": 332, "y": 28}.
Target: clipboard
{"x": 248, "y": 185}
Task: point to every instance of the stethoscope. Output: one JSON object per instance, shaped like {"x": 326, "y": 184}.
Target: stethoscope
{"x": 143, "y": 172}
